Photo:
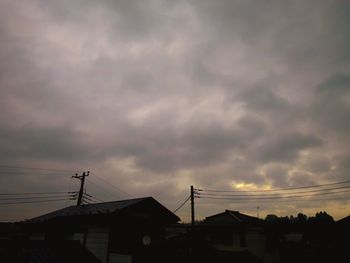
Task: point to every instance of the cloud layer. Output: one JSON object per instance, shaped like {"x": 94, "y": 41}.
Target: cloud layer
{"x": 156, "y": 96}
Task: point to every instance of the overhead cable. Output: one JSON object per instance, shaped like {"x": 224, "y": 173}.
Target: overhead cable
{"x": 182, "y": 204}
{"x": 35, "y": 201}
{"x": 112, "y": 185}
{"x": 37, "y": 168}
{"x": 105, "y": 191}
{"x": 276, "y": 189}
{"x": 91, "y": 196}
{"x": 38, "y": 193}
{"x": 274, "y": 194}
{"x": 35, "y": 197}
{"x": 205, "y": 200}
{"x": 270, "y": 197}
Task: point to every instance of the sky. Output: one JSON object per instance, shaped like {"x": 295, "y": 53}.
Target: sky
{"x": 154, "y": 96}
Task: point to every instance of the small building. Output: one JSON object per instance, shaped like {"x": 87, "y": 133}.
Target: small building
{"x": 120, "y": 231}
{"x": 345, "y": 221}
{"x": 340, "y": 237}
{"x": 232, "y": 231}
{"x": 28, "y": 251}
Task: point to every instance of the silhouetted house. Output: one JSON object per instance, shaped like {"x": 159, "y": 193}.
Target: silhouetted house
{"x": 121, "y": 231}
{"x": 8, "y": 231}
{"x": 235, "y": 232}
{"x": 29, "y": 251}
{"x": 344, "y": 222}
{"x": 341, "y": 234}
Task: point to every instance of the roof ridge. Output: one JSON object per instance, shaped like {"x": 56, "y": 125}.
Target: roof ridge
{"x": 245, "y": 215}
{"x": 122, "y": 200}
{"x": 234, "y": 216}
{"x": 76, "y": 210}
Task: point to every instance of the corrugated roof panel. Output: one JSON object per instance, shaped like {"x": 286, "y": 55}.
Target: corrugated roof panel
{"x": 91, "y": 209}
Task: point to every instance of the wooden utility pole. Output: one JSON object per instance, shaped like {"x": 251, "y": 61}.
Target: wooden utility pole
{"x": 192, "y": 207}
{"x": 82, "y": 181}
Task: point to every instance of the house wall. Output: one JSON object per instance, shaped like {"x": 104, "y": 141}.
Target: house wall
{"x": 119, "y": 258}
{"x": 229, "y": 239}
{"x": 236, "y": 242}
{"x": 97, "y": 242}
{"x": 37, "y": 236}
{"x": 256, "y": 243}
{"x": 226, "y": 240}
{"x": 76, "y": 236}
{"x": 233, "y": 245}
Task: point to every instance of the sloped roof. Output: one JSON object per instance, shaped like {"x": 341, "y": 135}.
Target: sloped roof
{"x": 345, "y": 220}
{"x": 45, "y": 252}
{"x": 230, "y": 217}
{"x": 104, "y": 208}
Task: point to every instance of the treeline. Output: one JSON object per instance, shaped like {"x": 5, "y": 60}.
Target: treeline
{"x": 320, "y": 217}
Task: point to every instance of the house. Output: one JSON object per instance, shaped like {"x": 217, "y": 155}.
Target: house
{"x": 340, "y": 236}
{"x": 234, "y": 232}
{"x": 121, "y": 231}
{"x": 344, "y": 221}
{"x": 26, "y": 251}
{"x": 8, "y": 231}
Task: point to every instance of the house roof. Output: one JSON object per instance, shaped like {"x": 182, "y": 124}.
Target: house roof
{"x": 345, "y": 220}
{"x": 230, "y": 217}
{"x": 105, "y": 208}
{"x": 45, "y": 252}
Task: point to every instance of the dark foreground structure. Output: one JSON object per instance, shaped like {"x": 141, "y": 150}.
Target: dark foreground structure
{"x": 121, "y": 231}
{"x": 143, "y": 230}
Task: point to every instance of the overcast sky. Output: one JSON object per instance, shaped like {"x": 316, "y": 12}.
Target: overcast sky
{"x": 153, "y": 96}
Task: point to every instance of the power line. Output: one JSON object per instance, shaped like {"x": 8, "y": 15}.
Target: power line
{"x": 91, "y": 198}
{"x": 35, "y": 201}
{"x": 37, "y": 168}
{"x": 271, "y": 197}
{"x": 112, "y": 185}
{"x": 277, "y": 189}
{"x": 182, "y": 204}
{"x": 282, "y": 200}
{"x": 276, "y": 194}
{"x": 35, "y": 197}
{"x": 99, "y": 200}
{"x": 85, "y": 202}
{"x": 38, "y": 193}
{"x": 31, "y": 173}
{"x": 86, "y": 198}
{"x": 104, "y": 189}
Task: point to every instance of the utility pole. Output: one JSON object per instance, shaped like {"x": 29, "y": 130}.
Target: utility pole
{"x": 82, "y": 180}
{"x": 192, "y": 207}
{"x": 257, "y": 211}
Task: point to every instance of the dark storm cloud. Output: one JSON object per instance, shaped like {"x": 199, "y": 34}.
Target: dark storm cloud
{"x": 160, "y": 145}
{"x": 317, "y": 164}
{"x": 127, "y": 20}
{"x": 331, "y": 103}
{"x": 264, "y": 100}
{"x": 194, "y": 146}
{"x": 169, "y": 93}
{"x": 285, "y": 147}
{"x": 44, "y": 142}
